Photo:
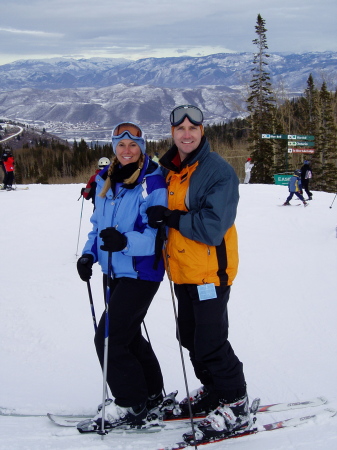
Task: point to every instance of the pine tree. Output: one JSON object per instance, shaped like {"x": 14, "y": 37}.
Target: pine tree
{"x": 261, "y": 105}
{"x": 327, "y": 177}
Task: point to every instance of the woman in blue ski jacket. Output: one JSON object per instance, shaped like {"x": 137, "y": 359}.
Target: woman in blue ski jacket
{"x": 125, "y": 190}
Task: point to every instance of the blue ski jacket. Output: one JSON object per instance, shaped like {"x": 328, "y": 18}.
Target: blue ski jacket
{"x": 294, "y": 184}
{"x": 126, "y": 212}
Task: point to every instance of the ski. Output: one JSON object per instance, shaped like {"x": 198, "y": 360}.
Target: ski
{"x": 14, "y": 189}
{"x": 69, "y": 419}
{"x": 73, "y": 420}
{"x": 293, "y": 422}
{"x": 13, "y": 413}
{"x": 275, "y": 407}
{"x": 297, "y": 204}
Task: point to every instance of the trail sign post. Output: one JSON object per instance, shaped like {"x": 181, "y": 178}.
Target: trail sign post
{"x": 297, "y": 143}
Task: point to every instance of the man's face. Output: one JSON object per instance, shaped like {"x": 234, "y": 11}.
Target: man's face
{"x": 186, "y": 137}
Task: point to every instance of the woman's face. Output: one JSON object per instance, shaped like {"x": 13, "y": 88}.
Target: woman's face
{"x": 127, "y": 151}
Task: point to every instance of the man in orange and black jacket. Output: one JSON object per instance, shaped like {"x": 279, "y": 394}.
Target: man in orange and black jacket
{"x": 202, "y": 261}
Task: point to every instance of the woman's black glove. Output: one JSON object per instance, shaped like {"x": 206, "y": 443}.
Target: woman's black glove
{"x": 158, "y": 215}
{"x": 84, "y": 266}
{"x": 113, "y": 240}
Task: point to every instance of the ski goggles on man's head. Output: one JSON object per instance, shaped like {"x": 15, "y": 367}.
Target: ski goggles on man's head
{"x": 179, "y": 114}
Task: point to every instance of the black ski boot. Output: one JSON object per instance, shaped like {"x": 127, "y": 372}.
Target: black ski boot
{"x": 227, "y": 419}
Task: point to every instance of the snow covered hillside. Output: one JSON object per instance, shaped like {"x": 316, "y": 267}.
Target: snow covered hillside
{"x": 282, "y": 319}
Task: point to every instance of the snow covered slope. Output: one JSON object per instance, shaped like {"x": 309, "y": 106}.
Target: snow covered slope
{"x": 282, "y": 319}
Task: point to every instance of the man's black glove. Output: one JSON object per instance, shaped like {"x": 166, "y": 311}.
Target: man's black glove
{"x": 158, "y": 215}
{"x": 113, "y": 240}
{"x": 84, "y": 266}
{"x": 82, "y": 191}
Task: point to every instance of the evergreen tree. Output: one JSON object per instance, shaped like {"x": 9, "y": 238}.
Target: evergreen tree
{"x": 327, "y": 145}
{"x": 261, "y": 105}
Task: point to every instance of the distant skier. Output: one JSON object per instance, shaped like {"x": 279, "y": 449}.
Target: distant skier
{"x": 248, "y": 169}
{"x": 295, "y": 187}
{"x": 89, "y": 191}
{"x": 3, "y": 169}
{"x": 306, "y": 175}
{"x": 8, "y": 163}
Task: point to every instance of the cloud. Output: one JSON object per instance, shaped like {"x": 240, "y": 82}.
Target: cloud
{"x": 149, "y": 28}
{"x": 30, "y": 32}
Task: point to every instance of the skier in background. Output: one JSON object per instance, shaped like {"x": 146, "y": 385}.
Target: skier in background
{"x": 3, "y": 169}
{"x": 8, "y": 163}
{"x": 306, "y": 175}
{"x": 89, "y": 191}
{"x": 248, "y": 168}
{"x": 295, "y": 187}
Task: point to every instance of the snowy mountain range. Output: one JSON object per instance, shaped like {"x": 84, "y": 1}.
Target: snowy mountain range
{"x": 103, "y": 91}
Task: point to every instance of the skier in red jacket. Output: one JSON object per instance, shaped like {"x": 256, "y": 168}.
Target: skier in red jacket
{"x": 8, "y": 164}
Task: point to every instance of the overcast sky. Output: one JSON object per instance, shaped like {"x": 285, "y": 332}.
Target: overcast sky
{"x": 138, "y": 29}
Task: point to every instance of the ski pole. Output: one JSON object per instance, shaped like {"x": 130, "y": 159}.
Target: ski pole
{"x": 92, "y": 306}
{"x": 180, "y": 346}
{"x": 106, "y": 342}
{"x": 79, "y": 228}
{"x": 333, "y": 201}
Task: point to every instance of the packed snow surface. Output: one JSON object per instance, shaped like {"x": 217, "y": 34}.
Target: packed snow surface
{"x": 282, "y": 314}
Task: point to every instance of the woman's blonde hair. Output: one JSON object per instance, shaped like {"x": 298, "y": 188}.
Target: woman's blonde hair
{"x": 132, "y": 179}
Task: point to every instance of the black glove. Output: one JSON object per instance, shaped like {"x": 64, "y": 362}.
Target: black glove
{"x": 113, "y": 240}
{"x": 159, "y": 215}
{"x": 84, "y": 266}
{"x": 82, "y": 191}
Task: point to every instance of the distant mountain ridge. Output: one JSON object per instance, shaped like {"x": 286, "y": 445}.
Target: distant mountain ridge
{"x": 224, "y": 69}
{"x": 103, "y": 91}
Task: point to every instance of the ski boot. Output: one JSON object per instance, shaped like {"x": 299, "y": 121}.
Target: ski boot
{"x": 203, "y": 401}
{"x": 117, "y": 417}
{"x": 227, "y": 419}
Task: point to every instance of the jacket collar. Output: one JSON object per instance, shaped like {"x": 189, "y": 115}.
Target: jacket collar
{"x": 169, "y": 159}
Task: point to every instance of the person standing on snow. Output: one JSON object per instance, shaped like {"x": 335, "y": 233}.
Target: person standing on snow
{"x": 202, "y": 261}
{"x": 8, "y": 164}
{"x": 89, "y": 192}
{"x": 132, "y": 184}
{"x": 295, "y": 187}
{"x": 248, "y": 168}
{"x": 306, "y": 175}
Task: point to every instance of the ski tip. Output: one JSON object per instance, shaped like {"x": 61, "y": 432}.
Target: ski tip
{"x": 323, "y": 399}
{"x": 51, "y": 417}
{"x": 330, "y": 412}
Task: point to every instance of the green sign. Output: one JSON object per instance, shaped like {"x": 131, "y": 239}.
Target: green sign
{"x": 274, "y": 136}
{"x": 301, "y": 137}
{"x": 292, "y": 137}
{"x": 301, "y": 144}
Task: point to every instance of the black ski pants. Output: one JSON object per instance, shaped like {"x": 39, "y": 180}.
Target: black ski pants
{"x": 305, "y": 186}
{"x": 133, "y": 371}
{"x": 9, "y": 178}
{"x": 203, "y": 327}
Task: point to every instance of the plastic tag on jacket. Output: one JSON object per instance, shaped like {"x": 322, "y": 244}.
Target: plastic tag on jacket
{"x": 206, "y": 291}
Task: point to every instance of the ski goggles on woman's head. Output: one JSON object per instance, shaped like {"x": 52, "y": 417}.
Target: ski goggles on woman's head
{"x": 132, "y": 129}
{"x": 179, "y": 114}
{"x": 128, "y": 130}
